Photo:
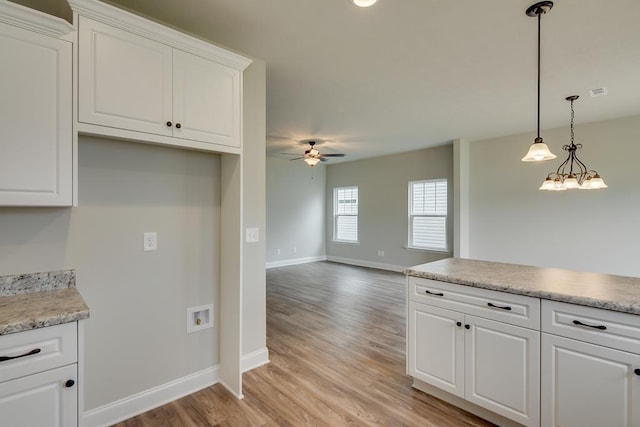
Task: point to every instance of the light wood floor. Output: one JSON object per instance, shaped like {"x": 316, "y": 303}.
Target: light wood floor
{"x": 336, "y": 337}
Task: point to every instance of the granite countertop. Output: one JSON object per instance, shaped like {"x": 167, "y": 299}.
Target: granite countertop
{"x": 609, "y": 292}
{"x": 36, "y": 300}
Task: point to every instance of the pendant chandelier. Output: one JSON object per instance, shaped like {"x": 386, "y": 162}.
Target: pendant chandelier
{"x": 573, "y": 173}
{"x": 539, "y": 150}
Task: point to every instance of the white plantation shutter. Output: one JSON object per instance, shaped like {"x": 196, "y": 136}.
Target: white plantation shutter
{"x": 345, "y": 212}
{"x": 428, "y": 214}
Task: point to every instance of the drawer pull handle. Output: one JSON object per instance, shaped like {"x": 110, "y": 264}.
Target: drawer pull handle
{"x": 637, "y": 372}
{"x": 436, "y": 294}
{"x": 467, "y": 326}
{"x": 69, "y": 383}
{"x": 579, "y": 323}
{"x": 178, "y": 125}
{"x": 169, "y": 124}
{"x": 501, "y": 307}
{"x": 32, "y": 352}
{"x": 460, "y": 324}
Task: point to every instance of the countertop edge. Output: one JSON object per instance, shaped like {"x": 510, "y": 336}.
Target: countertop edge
{"x": 43, "y": 322}
{"x": 548, "y": 295}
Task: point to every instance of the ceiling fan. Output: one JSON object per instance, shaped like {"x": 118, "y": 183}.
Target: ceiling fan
{"x": 312, "y": 156}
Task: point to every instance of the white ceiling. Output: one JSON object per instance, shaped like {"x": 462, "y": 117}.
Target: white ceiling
{"x": 410, "y": 74}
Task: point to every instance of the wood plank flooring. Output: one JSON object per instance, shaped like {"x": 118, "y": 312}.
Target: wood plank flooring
{"x": 336, "y": 339}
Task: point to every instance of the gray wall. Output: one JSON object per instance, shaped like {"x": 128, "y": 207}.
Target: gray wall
{"x": 135, "y": 338}
{"x": 295, "y": 210}
{"x": 383, "y": 205}
{"x": 512, "y": 221}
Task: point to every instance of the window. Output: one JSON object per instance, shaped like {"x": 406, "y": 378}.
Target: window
{"x": 428, "y": 214}
{"x": 345, "y": 214}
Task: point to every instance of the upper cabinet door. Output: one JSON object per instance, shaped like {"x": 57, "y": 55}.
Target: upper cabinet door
{"x": 206, "y": 100}
{"x": 124, "y": 80}
{"x": 36, "y": 147}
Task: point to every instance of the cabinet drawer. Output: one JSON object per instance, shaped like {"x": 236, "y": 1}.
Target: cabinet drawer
{"x": 598, "y": 326}
{"x": 26, "y": 353}
{"x": 504, "y": 307}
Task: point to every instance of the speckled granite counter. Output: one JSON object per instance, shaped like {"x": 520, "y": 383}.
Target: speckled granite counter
{"x": 30, "y": 301}
{"x": 609, "y": 292}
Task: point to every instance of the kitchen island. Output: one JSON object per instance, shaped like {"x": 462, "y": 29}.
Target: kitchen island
{"x": 523, "y": 345}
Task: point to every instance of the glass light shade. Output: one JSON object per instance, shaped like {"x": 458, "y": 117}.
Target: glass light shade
{"x": 538, "y": 152}
{"x": 571, "y": 183}
{"x": 597, "y": 183}
{"x": 548, "y": 185}
{"x": 313, "y": 152}
{"x": 557, "y": 185}
{"x": 586, "y": 185}
{"x": 311, "y": 161}
{"x": 364, "y": 3}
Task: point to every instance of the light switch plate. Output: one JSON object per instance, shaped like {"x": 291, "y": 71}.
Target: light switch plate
{"x": 253, "y": 235}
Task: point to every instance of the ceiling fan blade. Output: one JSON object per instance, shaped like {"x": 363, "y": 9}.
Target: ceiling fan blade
{"x": 322, "y": 159}
{"x": 290, "y": 154}
{"x": 334, "y": 155}
{"x": 298, "y": 158}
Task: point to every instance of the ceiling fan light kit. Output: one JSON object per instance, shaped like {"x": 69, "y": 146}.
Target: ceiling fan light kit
{"x": 539, "y": 151}
{"x": 313, "y": 156}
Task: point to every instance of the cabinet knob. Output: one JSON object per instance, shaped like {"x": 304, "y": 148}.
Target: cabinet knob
{"x": 458, "y": 323}
{"x": 178, "y": 125}
{"x": 637, "y": 371}
{"x": 467, "y": 326}
{"x": 169, "y": 124}
{"x": 69, "y": 383}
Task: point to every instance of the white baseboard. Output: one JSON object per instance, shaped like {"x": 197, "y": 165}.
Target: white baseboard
{"x": 370, "y": 264}
{"x": 255, "y": 359}
{"x": 295, "y": 261}
{"x": 138, "y": 403}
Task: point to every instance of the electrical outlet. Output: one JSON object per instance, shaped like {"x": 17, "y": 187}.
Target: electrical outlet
{"x": 295, "y": 250}
{"x": 380, "y": 253}
{"x": 150, "y": 241}
{"x": 278, "y": 252}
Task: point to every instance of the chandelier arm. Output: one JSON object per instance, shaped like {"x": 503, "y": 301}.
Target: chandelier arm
{"x": 581, "y": 165}
{"x": 560, "y": 170}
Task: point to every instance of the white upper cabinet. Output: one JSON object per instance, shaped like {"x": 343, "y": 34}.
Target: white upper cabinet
{"x": 124, "y": 80}
{"x": 141, "y": 81}
{"x": 36, "y": 151}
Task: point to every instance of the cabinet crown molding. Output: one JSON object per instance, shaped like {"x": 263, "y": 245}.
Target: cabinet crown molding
{"x": 144, "y": 27}
{"x": 33, "y": 20}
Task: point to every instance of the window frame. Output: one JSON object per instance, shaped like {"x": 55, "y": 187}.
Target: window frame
{"x": 411, "y": 216}
{"x": 336, "y": 191}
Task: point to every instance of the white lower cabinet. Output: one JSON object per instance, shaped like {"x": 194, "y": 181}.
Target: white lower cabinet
{"x": 47, "y": 399}
{"x": 39, "y": 377}
{"x": 502, "y": 369}
{"x": 491, "y": 364}
{"x": 436, "y": 347}
{"x": 584, "y": 382}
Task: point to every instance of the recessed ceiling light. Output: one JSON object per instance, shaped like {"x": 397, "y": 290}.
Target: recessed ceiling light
{"x": 364, "y": 3}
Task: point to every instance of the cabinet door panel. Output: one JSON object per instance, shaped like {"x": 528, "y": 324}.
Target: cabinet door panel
{"x": 206, "y": 98}
{"x": 586, "y": 385}
{"x": 35, "y": 118}
{"x": 437, "y": 347}
{"x": 40, "y": 400}
{"x": 124, "y": 79}
{"x": 502, "y": 369}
